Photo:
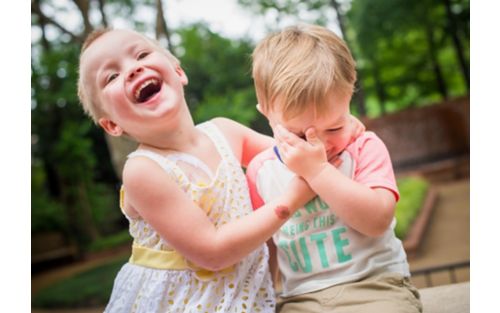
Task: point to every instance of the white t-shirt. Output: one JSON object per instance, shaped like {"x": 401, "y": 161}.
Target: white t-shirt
{"x": 316, "y": 249}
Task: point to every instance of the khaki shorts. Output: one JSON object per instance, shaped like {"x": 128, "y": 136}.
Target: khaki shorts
{"x": 386, "y": 293}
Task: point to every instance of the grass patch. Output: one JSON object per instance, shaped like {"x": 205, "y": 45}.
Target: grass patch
{"x": 86, "y": 289}
{"x": 413, "y": 191}
{"x": 109, "y": 242}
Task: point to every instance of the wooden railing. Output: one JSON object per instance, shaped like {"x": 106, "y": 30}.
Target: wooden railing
{"x": 450, "y": 268}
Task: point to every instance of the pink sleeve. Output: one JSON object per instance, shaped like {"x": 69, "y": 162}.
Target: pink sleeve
{"x": 373, "y": 163}
{"x": 251, "y": 175}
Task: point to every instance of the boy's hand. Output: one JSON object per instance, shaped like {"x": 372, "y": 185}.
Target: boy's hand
{"x": 357, "y": 128}
{"x": 304, "y": 158}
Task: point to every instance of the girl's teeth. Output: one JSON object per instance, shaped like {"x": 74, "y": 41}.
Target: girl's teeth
{"x": 144, "y": 84}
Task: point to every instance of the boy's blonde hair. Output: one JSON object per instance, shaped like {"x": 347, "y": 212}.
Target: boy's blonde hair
{"x": 301, "y": 66}
{"x": 89, "y": 103}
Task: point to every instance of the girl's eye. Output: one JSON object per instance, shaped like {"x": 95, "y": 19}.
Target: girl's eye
{"x": 111, "y": 77}
{"x": 142, "y": 55}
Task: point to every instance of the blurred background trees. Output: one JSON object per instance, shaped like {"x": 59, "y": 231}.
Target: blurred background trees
{"x": 409, "y": 53}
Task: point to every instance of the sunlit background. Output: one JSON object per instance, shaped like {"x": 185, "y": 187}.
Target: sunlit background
{"x": 413, "y": 91}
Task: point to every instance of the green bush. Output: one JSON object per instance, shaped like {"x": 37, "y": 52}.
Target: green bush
{"x": 111, "y": 241}
{"x": 86, "y": 289}
{"x": 46, "y": 213}
{"x": 106, "y": 212}
{"x": 412, "y": 191}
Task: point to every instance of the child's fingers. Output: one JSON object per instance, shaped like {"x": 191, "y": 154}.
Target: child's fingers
{"x": 337, "y": 162}
{"x": 288, "y": 136}
{"x": 311, "y": 136}
{"x": 278, "y": 133}
{"x": 313, "y": 140}
{"x": 284, "y": 149}
{"x": 281, "y": 134}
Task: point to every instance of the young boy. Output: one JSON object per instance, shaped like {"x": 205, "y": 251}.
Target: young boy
{"x": 339, "y": 252}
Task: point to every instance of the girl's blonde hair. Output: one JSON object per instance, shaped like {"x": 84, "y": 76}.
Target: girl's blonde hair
{"x": 90, "y": 104}
{"x": 301, "y": 66}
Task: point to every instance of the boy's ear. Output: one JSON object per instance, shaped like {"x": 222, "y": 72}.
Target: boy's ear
{"x": 182, "y": 75}
{"x": 261, "y": 111}
{"x": 110, "y": 127}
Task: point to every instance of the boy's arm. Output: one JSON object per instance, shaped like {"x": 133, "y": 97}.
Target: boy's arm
{"x": 246, "y": 142}
{"x": 368, "y": 210}
{"x": 167, "y": 208}
{"x": 365, "y": 207}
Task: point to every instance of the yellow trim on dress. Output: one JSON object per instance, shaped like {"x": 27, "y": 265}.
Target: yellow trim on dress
{"x": 171, "y": 260}
{"x": 122, "y": 198}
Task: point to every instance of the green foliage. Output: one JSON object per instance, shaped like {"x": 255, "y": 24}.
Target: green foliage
{"x": 236, "y": 106}
{"x": 111, "y": 241}
{"x": 106, "y": 213}
{"x": 74, "y": 150}
{"x": 413, "y": 191}
{"x": 46, "y": 213}
{"x": 400, "y": 44}
{"x": 67, "y": 155}
{"x": 219, "y": 72}
{"x": 73, "y": 185}
{"x": 86, "y": 289}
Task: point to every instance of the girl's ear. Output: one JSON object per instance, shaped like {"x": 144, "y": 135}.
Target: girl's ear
{"x": 110, "y": 127}
{"x": 182, "y": 75}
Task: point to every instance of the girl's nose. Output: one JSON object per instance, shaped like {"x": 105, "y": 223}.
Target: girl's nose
{"x": 134, "y": 72}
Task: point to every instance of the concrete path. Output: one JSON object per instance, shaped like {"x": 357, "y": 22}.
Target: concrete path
{"x": 447, "y": 238}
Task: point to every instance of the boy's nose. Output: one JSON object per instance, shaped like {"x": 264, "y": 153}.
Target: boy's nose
{"x": 134, "y": 72}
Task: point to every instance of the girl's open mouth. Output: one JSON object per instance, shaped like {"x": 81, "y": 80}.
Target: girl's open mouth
{"x": 147, "y": 90}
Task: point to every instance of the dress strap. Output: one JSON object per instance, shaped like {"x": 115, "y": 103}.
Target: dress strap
{"x": 220, "y": 141}
{"x": 169, "y": 166}
{"x": 180, "y": 156}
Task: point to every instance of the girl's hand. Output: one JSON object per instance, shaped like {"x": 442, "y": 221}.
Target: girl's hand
{"x": 304, "y": 158}
{"x": 300, "y": 191}
{"x": 357, "y": 128}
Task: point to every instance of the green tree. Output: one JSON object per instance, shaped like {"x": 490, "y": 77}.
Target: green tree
{"x": 408, "y": 52}
{"x": 405, "y": 49}
{"x": 318, "y": 12}
{"x": 75, "y": 187}
{"x": 219, "y": 72}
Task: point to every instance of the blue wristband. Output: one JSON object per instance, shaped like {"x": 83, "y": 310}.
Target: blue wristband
{"x": 276, "y": 151}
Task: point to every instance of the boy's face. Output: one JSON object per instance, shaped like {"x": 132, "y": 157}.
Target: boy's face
{"x": 133, "y": 80}
{"x": 333, "y": 128}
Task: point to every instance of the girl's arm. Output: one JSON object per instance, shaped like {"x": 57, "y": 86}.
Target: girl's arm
{"x": 246, "y": 142}
{"x": 167, "y": 208}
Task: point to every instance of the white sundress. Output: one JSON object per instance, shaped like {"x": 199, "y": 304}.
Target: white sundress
{"x": 246, "y": 287}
